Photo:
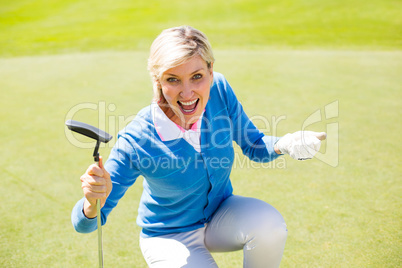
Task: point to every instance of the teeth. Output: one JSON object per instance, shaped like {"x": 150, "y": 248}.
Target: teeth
{"x": 189, "y": 102}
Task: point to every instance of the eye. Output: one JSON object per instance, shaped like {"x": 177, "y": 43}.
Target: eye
{"x": 172, "y": 80}
{"x": 197, "y": 76}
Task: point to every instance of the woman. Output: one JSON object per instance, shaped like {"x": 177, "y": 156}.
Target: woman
{"x": 182, "y": 145}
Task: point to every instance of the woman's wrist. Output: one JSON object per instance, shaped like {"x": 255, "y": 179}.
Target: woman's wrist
{"x": 89, "y": 210}
{"x": 277, "y": 150}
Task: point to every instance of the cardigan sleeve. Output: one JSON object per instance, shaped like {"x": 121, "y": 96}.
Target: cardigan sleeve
{"x": 254, "y": 144}
{"x": 123, "y": 169}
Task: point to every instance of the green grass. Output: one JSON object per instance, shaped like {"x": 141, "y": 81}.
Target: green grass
{"x": 42, "y": 27}
{"x": 343, "y": 216}
{"x": 285, "y": 60}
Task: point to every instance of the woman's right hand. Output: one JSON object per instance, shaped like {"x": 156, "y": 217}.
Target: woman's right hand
{"x": 96, "y": 184}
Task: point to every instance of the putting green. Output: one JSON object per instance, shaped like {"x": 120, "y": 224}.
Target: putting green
{"x": 342, "y": 215}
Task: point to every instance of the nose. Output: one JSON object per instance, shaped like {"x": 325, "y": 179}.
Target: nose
{"x": 187, "y": 92}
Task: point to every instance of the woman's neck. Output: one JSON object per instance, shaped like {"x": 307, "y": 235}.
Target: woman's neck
{"x": 173, "y": 117}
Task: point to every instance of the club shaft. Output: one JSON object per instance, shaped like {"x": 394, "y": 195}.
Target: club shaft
{"x": 99, "y": 221}
{"x": 100, "y": 246}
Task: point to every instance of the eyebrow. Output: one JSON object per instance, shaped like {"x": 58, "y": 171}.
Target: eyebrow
{"x": 190, "y": 74}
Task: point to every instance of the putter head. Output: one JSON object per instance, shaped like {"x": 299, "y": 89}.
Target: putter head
{"x": 89, "y": 131}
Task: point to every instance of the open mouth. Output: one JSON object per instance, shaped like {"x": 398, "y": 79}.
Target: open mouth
{"x": 188, "y": 107}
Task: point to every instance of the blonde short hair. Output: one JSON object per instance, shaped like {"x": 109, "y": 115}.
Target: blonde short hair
{"x": 173, "y": 47}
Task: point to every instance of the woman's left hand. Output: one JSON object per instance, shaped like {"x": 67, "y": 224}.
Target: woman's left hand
{"x": 300, "y": 145}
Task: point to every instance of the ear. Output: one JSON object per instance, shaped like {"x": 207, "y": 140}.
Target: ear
{"x": 211, "y": 72}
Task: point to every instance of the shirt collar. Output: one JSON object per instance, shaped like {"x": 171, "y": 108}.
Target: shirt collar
{"x": 168, "y": 130}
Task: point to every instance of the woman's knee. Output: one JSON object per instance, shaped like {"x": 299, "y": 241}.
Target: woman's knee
{"x": 241, "y": 220}
{"x": 265, "y": 223}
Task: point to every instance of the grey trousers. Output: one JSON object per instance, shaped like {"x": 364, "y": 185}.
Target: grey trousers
{"x": 239, "y": 223}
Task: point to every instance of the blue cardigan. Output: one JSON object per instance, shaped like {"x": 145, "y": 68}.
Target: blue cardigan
{"x": 182, "y": 187}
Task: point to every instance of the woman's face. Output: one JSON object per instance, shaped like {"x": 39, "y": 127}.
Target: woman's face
{"x": 186, "y": 91}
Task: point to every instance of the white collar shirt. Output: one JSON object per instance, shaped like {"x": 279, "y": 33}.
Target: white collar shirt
{"x": 168, "y": 130}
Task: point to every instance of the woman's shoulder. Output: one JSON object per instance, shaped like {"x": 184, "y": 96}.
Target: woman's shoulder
{"x": 220, "y": 83}
{"x": 140, "y": 126}
{"x": 219, "y": 78}
{"x": 221, "y": 89}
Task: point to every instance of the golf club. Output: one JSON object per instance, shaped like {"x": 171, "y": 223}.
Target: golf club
{"x": 100, "y": 136}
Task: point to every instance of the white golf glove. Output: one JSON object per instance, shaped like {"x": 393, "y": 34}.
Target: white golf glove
{"x": 301, "y": 145}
